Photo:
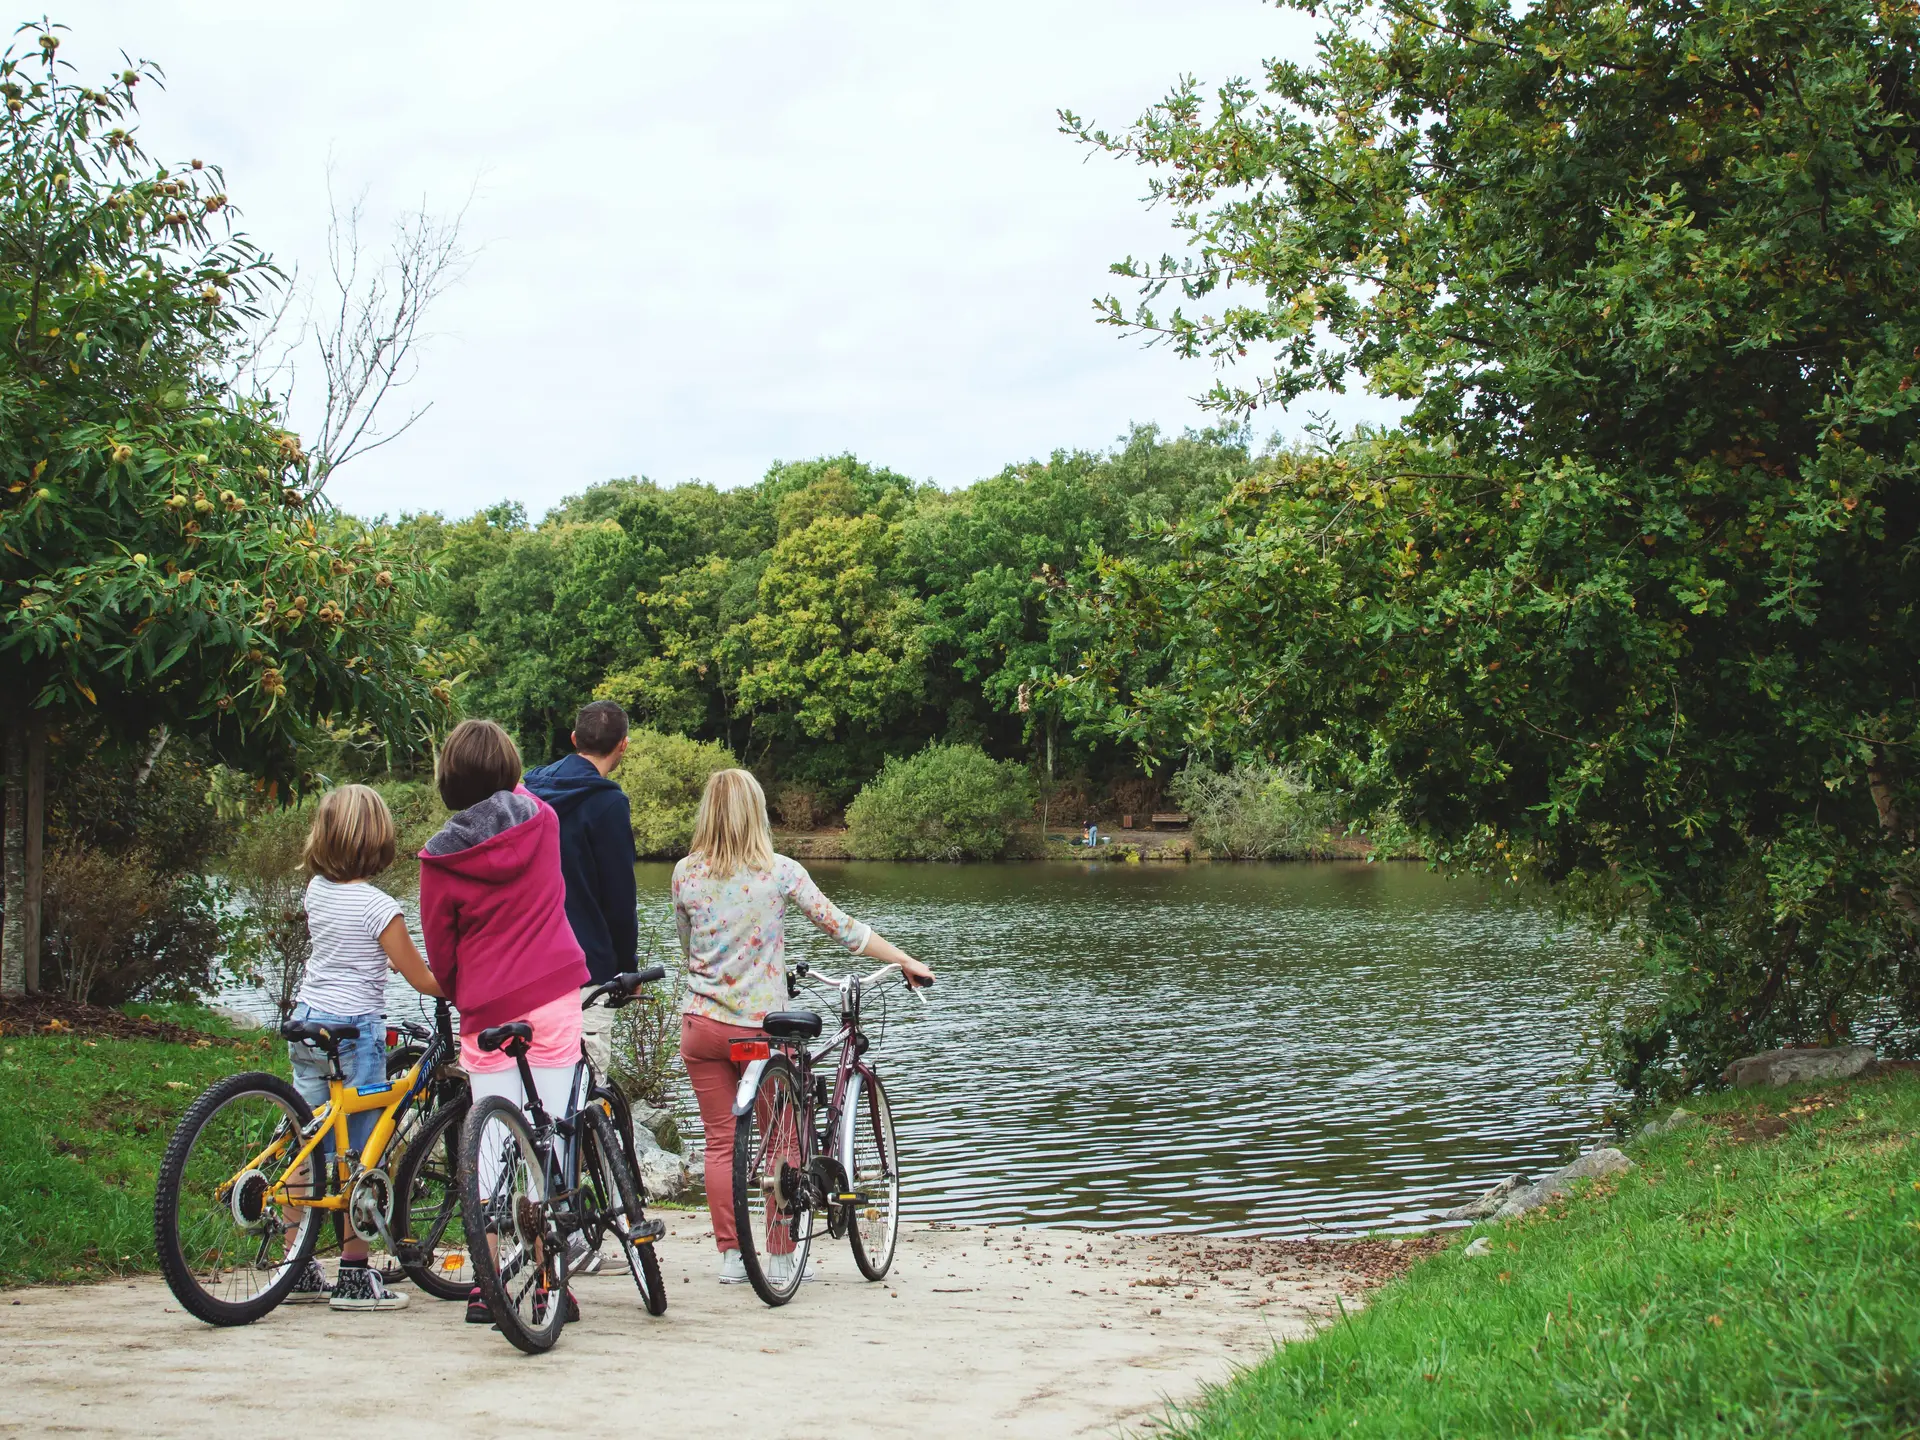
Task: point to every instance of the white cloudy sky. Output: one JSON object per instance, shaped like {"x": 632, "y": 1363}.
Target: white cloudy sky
{"x": 714, "y": 233}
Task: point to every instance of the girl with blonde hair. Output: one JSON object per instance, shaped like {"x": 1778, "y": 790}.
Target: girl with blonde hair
{"x": 730, "y": 898}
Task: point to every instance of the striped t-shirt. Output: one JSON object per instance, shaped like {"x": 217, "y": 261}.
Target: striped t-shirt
{"x": 347, "y": 972}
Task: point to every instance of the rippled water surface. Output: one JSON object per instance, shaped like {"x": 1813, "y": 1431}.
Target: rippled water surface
{"x": 1232, "y": 1048}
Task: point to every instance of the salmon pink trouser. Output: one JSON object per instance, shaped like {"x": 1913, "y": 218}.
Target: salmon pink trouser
{"x": 705, "y": 1046}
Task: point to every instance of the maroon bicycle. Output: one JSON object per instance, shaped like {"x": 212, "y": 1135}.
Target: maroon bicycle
{"x": 784, "y": 1178}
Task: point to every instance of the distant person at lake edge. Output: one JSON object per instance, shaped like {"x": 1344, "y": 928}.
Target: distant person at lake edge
{"x": 494, "y": 913}
{"x": 358, "y": 934}
{"x": 730, "y": 899}
{"x": 596, "y": 857}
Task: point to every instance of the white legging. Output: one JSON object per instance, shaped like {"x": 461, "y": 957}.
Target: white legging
{"x": 555, "y": 1087}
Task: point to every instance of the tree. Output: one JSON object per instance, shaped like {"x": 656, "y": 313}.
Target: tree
{"x": 163, "y": 559}
{"x": 1626, "y": 603}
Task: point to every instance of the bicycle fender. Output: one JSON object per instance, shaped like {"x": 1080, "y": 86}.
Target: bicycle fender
{"x": 849, "y": 1120}
{"x": 749, "y": 1083}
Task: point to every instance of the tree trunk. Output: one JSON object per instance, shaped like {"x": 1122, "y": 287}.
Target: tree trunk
{"x": 35, "y": 848}
{"x": 13, "y": 929}
{"x": 1879, "y": 785}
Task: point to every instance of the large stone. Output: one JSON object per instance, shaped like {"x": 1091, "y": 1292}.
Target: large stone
{"x": 1590, "y": 1166}
{"x": 654, "y": 1119}
{"x": 1791, "y": 1067}
{"x": 1488, "y": 1203}
{"x": 1678, "y": 1120}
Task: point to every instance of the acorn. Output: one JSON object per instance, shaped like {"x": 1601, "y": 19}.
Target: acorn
{"x": 300, "y": 602}
{"x": 215, "y": 202}
{"x": 59, "y": 179}
{"x": 176, "y": 502}
{"x": 129, "y": 77}
{"x": 15, "y": 106}
{"x": 49, "y": 43}
{"x": 199, "y": 164}
{"x": 261, "y": 472}
{"x": 225, "y": 702}
{"x": 184, "y": 576}
{"x": 45, "y": 494}
{"x": 272, "y": 682}
{"x": 291, "y": 497}
{"x": 175, "y": 218}
{"x": 139, "y": 559}
{"x": 384, "y": 580}
{"x": 203, "y": 505}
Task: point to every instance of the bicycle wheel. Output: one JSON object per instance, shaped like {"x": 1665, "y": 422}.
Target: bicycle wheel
{"x": 772, "y": 1199}
{"x": 622, "y": 1114}
{"x": 506, "y": 1201}
{"x": 874, "y": 1178}
{"x": 613, "y": 1199}
{"x": 427, "y": 1223}
{"x": 229, "y": 1250}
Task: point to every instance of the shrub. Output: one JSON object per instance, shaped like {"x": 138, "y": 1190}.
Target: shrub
{"x": 797, "y": 807}
{"x": 116, "y": 930}
{"x": 663, "y": 776}
{"x": 646, "y": 1033}
{"x": 1254, "y": 812}
{"x": 949, "y": 802}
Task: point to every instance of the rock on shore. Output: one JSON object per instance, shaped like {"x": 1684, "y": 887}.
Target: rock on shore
{"x": 1515, "y": 1196}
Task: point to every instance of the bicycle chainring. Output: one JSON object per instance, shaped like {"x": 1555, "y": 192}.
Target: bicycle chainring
{"x": 370, "y": 1211}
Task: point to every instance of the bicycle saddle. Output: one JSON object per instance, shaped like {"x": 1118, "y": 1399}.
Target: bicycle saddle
{"x": 495, "y": 1036}
{"x": 312, "y": 1032}
{"x": 792, "y": 1025}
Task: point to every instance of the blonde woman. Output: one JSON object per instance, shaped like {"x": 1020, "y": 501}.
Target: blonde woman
{"x": 730, "y": 898}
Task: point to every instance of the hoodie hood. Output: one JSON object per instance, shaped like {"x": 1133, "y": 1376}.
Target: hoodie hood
{"x": 492, "y": 842}
{"x": 568, "y": 784}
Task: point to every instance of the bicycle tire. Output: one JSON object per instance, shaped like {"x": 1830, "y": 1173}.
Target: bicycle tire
{"x": 602, "y": 1166}
{"x": 512, "y": 1223}
{"x": 432, "y": 1163}
{"x": 178, "y": 1253}
{"x": 772, "y": 1122}
{"x": 873, "y": 1230}
{"x": 622, "y": 1125}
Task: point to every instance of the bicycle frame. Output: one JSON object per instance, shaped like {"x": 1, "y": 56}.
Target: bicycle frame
{"x": 343, "y": 1102}
{"x": 852, "y": 1076}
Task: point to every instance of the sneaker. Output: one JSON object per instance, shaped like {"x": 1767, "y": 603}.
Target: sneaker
{"x": 359, "y": 1288}
{"x": 582, "y": 1261}
{"x": 478, "y": 1311}
{"x": 780, "y": 1271}
{"x": 311, "y": 1287}
{"x": 543, "y": 1297}
{"x": 733, "y": 1270}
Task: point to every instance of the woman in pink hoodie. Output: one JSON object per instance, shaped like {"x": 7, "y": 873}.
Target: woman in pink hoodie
{"x": 493, "y": 912}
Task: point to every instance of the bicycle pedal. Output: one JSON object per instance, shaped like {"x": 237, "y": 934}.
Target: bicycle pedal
{"x": 648, "y": 1231}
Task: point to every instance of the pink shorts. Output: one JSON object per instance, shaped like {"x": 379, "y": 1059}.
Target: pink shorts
{"x": 556, "y": 1040}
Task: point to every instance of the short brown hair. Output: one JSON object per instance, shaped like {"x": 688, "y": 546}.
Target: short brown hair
{"x": 352, "y": 836}
{"x": 599, "y": 727}
{"x": 478, "y": 759}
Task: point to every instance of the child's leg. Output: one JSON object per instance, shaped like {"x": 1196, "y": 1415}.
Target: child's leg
{"x": 704, "y": 1047}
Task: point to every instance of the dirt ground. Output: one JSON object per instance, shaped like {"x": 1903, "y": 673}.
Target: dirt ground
{"x": 977, "y": 1332}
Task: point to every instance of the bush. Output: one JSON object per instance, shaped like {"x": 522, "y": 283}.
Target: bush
{"x": 663, "y": 776}
{"x": 118, "y": 930}
{"x": 797, "y": 807}
{"x": 646, "y": 1034}
{"x": 949, "y": 802}
{"x": 1254, "y": 812}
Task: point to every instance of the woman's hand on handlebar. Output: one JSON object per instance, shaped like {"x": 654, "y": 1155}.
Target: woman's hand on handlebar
{"x": 888, "y": 953}
{"x": 916, "y": 973}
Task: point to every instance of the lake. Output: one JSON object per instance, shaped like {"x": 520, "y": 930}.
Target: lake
{"x": 1240, "y": 1049}
{"x": 1253, "y": 1049}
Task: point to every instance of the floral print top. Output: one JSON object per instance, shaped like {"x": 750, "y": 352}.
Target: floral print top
{"x": 733, "y": 932}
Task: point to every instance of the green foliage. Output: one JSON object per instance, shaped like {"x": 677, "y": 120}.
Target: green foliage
{"x": 83, "y": 1123}
{"x": 663, "y": 776}
{"x": 161, "y": 558}
{"x": 1724, "y": 1288}
{"x": 1625, "y": 603}
{"x": 1255, "y": 812}
{"x": 646, "y": 1033}
{"x": 263, "y": 869}
{"x": 948, "y": 802}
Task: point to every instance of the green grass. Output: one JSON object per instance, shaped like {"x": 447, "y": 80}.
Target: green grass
{"x": 83, "y": 1122}
{"x": 1738, "y": 1283}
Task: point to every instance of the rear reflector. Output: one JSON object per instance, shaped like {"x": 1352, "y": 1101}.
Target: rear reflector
{"x": 393, "y": 1037}
{"x": 745, "y": 1050}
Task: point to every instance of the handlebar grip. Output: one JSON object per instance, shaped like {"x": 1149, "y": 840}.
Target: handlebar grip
{"x": 802, "y": 969}
{"x": 652, "y": 974}
{"x": 913, "y": 984}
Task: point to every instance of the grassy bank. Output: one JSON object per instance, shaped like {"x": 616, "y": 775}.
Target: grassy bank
{"x": 1756, "y": 1275}
{"x": 84, "y": 1117}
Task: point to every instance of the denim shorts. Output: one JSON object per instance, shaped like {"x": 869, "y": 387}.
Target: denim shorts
{"x": 363, "y": 1061}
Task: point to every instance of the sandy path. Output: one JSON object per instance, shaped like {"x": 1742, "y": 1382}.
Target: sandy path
{"x": 977, "y": 1332}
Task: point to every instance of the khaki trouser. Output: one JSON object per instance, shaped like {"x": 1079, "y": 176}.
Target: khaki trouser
{"x": 596, "y": 1031}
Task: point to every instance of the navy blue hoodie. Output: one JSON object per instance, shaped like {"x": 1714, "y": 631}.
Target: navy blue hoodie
{"x": 596, "y": 859}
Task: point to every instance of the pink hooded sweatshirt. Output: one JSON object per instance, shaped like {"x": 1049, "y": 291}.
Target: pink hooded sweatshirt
{"x": 493, "y": 909}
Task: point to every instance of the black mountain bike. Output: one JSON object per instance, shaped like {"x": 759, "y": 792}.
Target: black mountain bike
{"x": 531, "y": 1181}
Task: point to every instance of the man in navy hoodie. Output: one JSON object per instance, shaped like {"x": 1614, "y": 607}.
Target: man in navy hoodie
{"x": 596, "y": 855}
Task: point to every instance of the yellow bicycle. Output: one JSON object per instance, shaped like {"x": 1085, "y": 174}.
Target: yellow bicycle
{"x": 246, "y": 1183}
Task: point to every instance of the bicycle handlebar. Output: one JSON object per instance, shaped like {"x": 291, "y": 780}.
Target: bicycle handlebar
{"x": 619, "y": 990}
{"x": 806, "y": 971}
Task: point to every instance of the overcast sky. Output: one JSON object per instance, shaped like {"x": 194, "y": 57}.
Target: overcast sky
{"x": 713, "y": 234}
